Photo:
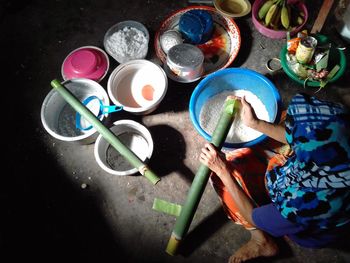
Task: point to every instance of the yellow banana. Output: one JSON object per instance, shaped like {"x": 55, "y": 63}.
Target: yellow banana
{"x": 270, "y": 14}
{"x": 276, "y": 19}
{"x": 300, "y": 20}
{"x": 285, "y": 17}
{"x": 264, "y": 8}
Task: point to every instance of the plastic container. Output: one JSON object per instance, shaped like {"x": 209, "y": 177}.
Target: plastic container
{"x": 277, "y": 34}
{"x": 336, "y": 56}
{"x": 138, "y": 86}
{"x": 128, "y": 45}
{"x": 85, "y": 62}
{"x": 196, "y": 26}
{"x": 234, "y": 79}
{"x": 59, "y": 118}
{"x": 133, "y": 135}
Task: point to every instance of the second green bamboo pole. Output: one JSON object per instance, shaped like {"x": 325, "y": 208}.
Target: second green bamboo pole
{"x": 201, "y": 178}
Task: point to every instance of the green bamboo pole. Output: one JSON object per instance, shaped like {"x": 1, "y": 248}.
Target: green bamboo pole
{"x": 200, "y": 180}
{"x": 105, "y": 132}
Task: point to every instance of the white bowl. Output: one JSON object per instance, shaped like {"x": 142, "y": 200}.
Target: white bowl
{"x": 127, "y": 45}
{"x": 59, "y": 118}
{"x": 133, "y": 135}
{"x": 138, "y": 86}
{"x": 233, "y": 8}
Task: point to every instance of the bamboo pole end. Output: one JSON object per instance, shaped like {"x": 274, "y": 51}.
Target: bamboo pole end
{"x": 55, "y": 83}
{"x": 151, "y": 176}
{"x": 173, "y": 245}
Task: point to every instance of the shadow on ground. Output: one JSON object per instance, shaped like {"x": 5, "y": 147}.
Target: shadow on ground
{"x": 44, "y": 216}
{"x": 169, "y": 151}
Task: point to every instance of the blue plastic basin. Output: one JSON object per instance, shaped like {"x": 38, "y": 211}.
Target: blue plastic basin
{"x": 235, "y": 79}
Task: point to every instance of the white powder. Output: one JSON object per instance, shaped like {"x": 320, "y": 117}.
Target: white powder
{"x": 211, "y": 111}
{"x": 127, "y": 43}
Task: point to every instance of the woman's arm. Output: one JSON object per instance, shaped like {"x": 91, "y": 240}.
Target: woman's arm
{"x": 250, "y": 119}
{"x": 275, "y": 131}
{"x": 216, "y": 163}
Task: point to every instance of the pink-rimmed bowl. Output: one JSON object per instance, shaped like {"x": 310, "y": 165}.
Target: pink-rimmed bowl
{"x": 219, "y": 51}
{"x": 277, "y": 34}
{"x": 88, "y": 62}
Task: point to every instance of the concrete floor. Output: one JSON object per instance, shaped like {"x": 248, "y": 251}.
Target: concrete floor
{"x": 45, "y": 214}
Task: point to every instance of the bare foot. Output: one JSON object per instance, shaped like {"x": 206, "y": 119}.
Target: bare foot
{"x": 260, "y": 245}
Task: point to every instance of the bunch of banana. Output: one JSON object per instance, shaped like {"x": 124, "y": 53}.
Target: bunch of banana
{"x": 275, "y": 14}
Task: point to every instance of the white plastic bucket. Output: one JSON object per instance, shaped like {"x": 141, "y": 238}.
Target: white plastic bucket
{"x": 134, "y": 136}
{"x": 59, "y": 118}
{"x": 138, "y": 86}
